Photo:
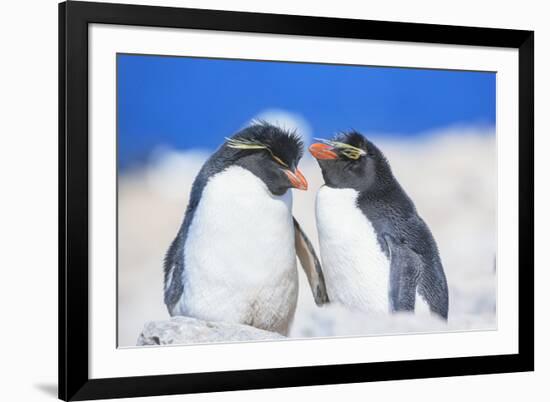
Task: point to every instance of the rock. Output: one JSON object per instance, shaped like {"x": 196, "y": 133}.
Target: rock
{"x": 184, "y": 330}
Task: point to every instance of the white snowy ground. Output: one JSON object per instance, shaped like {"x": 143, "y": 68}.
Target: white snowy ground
{"x": 450, "y": 175}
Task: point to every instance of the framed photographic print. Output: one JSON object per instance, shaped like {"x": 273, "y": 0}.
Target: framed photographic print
{"x": 257, "y": 200}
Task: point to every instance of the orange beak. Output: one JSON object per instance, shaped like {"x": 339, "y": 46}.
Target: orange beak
{"x": 322, "y": 151}
{"x": 297, "y": 179}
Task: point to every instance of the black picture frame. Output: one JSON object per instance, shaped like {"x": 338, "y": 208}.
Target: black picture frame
{"x": 74, "y": 18}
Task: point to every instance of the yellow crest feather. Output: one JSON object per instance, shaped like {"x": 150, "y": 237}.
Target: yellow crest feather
{"x": 241, "y": 143}
{"x": 346, "y": 149}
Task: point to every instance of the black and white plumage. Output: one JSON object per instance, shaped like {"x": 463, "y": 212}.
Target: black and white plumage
{"x": 378, "y": 254}
{"x": 234, "y": 257}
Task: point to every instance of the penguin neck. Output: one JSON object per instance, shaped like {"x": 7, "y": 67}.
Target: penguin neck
{"x": 379, "y": 188}
{"x": 379, "y": 181}
{"x": 386, "y": 194}
{"x": 240, "y": 184}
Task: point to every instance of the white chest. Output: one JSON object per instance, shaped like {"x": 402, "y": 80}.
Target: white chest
{"x": 356, "y": 269}
{"x": 240, "y": 260}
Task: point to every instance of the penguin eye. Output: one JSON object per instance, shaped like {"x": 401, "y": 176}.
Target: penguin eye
{"x": 279, "y": 161}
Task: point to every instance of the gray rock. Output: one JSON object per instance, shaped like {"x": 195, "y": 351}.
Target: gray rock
{"x": 184, "y": 330}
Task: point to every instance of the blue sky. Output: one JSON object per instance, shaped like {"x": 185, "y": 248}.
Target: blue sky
{"x": 186, "y": 103}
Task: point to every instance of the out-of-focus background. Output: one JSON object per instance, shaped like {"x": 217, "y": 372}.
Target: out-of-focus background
{"x": 435, "y": 127}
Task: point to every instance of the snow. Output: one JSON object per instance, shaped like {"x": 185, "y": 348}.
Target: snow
{"x": 450, "y": 175}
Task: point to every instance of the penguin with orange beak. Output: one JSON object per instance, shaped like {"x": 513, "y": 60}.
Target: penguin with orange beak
{"x": 234, "y": 256}
{"x": 378, "y": 254}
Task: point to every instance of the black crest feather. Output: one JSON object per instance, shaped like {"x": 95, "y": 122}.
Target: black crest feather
{"x": 282, "y": 143}
{"x": 353, "y": 138}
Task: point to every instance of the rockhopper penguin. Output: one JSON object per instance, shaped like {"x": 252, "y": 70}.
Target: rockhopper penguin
{"x": 234, "y": 257}
{"x": 378, "y": 254}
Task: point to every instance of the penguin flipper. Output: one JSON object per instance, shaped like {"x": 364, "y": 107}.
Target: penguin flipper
{"x": 404, "y": 275}
{"x": 174, "y": 264}
{"x": 410, "y": 274}
{"x": 311, "y": 265}
{"x": 173, "y": 269}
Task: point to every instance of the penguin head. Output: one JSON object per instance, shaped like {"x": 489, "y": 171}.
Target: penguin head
{"x": 270, "y": 153}
{"x": 349, "y": 160}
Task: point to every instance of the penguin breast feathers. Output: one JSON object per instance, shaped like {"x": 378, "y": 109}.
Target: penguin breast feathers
{"x": 355, "y": 267}
{"x": 241, "y": 241}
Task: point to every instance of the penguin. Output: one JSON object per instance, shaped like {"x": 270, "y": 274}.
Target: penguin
{"x": 234, "y": 256}
{"x": 378, "y": 254}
